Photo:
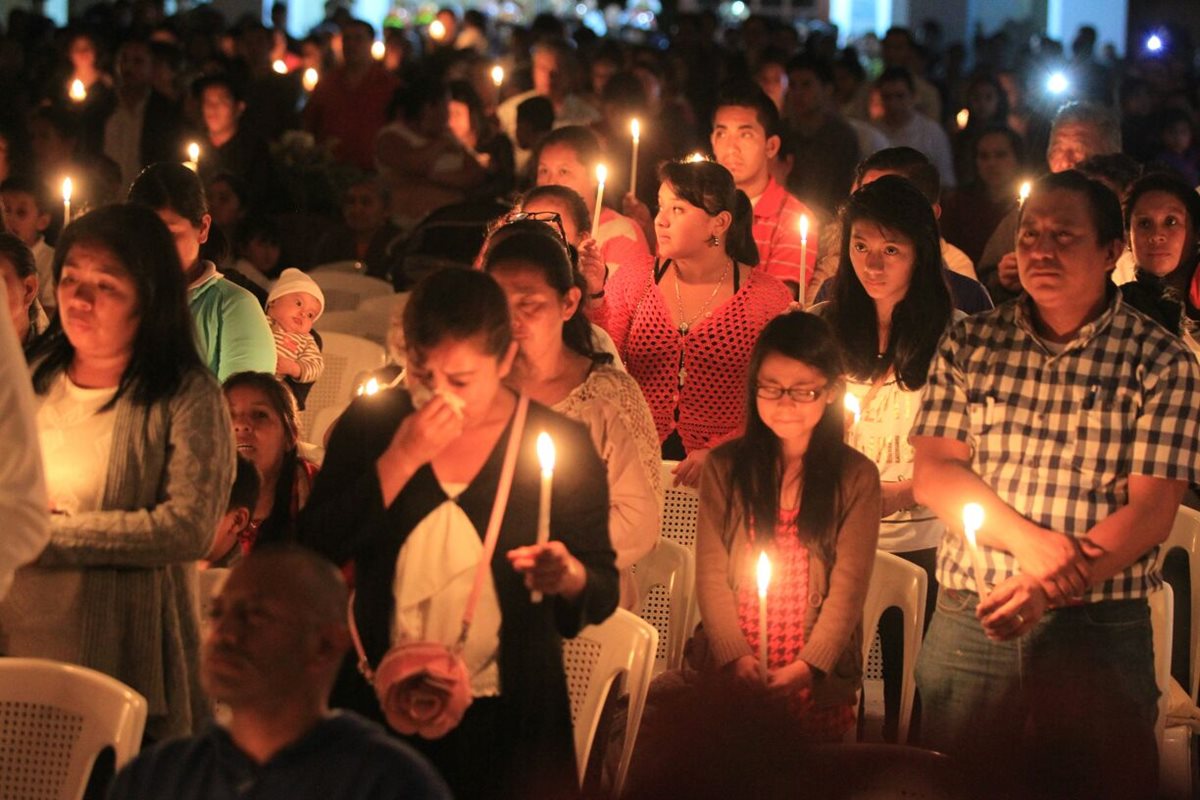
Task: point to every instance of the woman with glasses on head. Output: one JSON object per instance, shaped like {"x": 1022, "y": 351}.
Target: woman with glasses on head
{"x": 685, "y": 324}
{"x": 558, "y": 365}
{"x": 890, "y": 306}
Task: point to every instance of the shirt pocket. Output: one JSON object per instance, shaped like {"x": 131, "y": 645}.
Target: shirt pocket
{"x": 996, "y": 430}
{"x": 1105, "y": 425}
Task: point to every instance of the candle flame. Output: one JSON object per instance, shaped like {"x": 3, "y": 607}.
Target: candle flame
{"x": 77, "y": 92}
{"x": 310, "y": 79}
{"x": 852, "y": 406}
{"x": 1023, "y": 195}
{"x": 763, "y": 574}
{"x": 963, "y": 118}
{"x": 193, "y": 152}
{"x": 545, "y": 451}
{"x": 804, "y": 228}
{"x": 279, "y": 66}
{"x": 972, "y": 521}
{"x": 67, "y": 188}
{"x": 635, "y": 128}
{"x": 601, "y": 173}
{"x": 497, "y": 75}
{"x": 378, "y": 51}
{"x": 695, "y": 157}
{"x": 369, "y": 388}
{"x": 437, "y": 29}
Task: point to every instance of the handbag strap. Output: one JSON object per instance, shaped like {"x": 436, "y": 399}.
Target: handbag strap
{"x": 499, "y": 506}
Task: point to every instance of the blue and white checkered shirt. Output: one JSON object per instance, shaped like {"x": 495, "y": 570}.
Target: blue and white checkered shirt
{"x": 1057, "y": 434}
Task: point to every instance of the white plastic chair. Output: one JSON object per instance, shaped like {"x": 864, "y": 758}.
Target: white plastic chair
{"x": 349, "y": 266}
{"x": 593, "y": 660}
{"x": 55, "y": 719}
{"x": 1162, "y": 623}
{"x": 345, "y": 358}
{"x": 666, "y": 584}
{"x": 1176, "y": 743}
{"x": 345, "y": 291}
{"x": 1185, "y": 535}
{"x": 681, "y": 506}
{"x": 899, "y": 583}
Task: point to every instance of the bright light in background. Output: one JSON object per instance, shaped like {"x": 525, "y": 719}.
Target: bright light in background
{"x": 437, "y": 29}
{"x": 1057, "y": 83}
{"x": 1155, "y": 43}
{"x": 279, "y": 66}
{"x": 378, "y": 51}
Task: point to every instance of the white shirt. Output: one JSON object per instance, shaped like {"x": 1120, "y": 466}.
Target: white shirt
{"x": 43, "y": 260}
{"x": 958, "y": 261}
{"x": 926, "y": 136}
{"x": 123, "y": 138}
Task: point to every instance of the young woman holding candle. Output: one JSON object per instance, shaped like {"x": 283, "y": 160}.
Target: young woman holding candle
{"x": 890, "y": 304}
{"x": 405, "y": 493}
{"x": 685, "y": 324}
{"x": 558, "y": 364}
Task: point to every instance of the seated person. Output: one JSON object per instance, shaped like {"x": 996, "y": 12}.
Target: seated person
{"x": 366, "y": 235}
{"x": 275, "y": 640}
{"x": 535, "y": 119}
{"x": 235, "y": 522}
{"x": 257, "y": 244}
{"x": 27, "y": 214}
{"x": 20, "y": 281}
{"x": 293, "y": 305}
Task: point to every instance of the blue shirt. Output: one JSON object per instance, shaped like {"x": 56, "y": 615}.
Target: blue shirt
{"x": 343, "y": 757}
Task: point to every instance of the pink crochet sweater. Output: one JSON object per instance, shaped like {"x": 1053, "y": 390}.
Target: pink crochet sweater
{"x": 703, "y": 373}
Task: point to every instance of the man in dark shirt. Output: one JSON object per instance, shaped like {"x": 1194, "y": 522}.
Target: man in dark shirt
{"x": 826, "y": 147}
{"x": 274, "y": 643}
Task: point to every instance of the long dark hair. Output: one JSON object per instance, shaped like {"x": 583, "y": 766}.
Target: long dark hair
{"x": 169, "y": 185}
{"x": 164, "y": 348}
{"x": 534, "y": 244}
{"x": 457, "y": 303}
{"x": 758, "y": 478}
{"x": 709, "y": 186}
{"x": 921, "y": 316}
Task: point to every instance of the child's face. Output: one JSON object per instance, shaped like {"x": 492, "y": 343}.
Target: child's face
{"x": 262, "y": 254}
{"x": 295, "y": 312}
{"x": 24, "y": 219}
{"x": 789, "y": 418}
{"x": 363, "y": 209}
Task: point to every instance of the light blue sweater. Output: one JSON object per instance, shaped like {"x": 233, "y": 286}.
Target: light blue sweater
{"x": 231, "y": 329}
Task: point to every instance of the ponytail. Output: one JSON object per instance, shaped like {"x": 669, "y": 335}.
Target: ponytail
{"x": 740, "y": 236}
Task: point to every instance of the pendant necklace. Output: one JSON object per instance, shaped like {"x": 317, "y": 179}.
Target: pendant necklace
{"x": 685, "y": 325}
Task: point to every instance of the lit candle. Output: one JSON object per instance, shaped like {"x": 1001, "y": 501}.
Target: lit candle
{"x": 67, "y": 187}
{"x": 696, "y": 157}
{"x": 601, "y": 177}
{"x": 764, "y": 580}
{"x": 1023, "y": 195}
{"x": 378, "y": 51}
{"x": 545, "y": 451}
{"x": 193, "y": 154}
{"x": 803, "y": 254}
{"x": 963, "y": 118}
{"x": 77, "y": 92}
{"x": 309, "y": 80}
{"x": 370, "y": 387}
{"x": 497, "y": 75}
{"x": 635, "y": 128}
{"x": 437, "y": 29}
{"x": 972, "y": 522}
{"x": 279, "y": 66}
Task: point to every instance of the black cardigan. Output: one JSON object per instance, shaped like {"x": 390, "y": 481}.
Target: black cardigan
{"x": 345, "y": 520}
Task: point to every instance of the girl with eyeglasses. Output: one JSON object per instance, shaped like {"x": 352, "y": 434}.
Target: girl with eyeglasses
{"x": 889, "y": 307}
{"x": 791, "y": 488}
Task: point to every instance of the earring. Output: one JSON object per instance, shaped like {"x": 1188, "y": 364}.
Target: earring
{"x": 713, "y": 241}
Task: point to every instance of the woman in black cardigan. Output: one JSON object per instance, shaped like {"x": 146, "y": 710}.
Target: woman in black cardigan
{"x": 393, "y": 473}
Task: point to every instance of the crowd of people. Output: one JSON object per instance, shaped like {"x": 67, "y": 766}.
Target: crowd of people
{"x": 822, "y": 299}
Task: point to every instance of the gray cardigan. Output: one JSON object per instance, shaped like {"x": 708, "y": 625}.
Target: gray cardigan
{"x": 168, "y": 482}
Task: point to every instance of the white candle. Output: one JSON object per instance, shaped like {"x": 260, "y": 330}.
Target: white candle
{"x": 309, "y": 80}
{"x": 66, "y": 191}
{"x": 545, "y": 451}
{"x": 803, "y": 254}
{"x": 972, "y": 522}
{"x": 497, "y": 75}
{"x": 77, "y": 92}
{"x": 763, "y": 573}
{"x": 601, "y": 177}
{"x": 1023, "y": 195}
{"x": 696, "y": 158}
{"x": 635, "y": 128}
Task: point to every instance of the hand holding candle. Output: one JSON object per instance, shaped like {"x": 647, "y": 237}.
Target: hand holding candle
{"x": 545, "y": 451}
{"x": 77, "y": 92}
{"x": 601, "y": 177}
{"x": 635, "y": 129}
{"x": 763, "y": 574}
{"x": 803, "y": 255}
{"x": 972, "y": 522}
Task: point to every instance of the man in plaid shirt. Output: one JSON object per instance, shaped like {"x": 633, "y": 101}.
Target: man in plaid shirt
{"x": 1069, "y": 418}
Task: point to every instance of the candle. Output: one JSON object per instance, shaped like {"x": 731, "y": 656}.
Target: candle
{"x": 963, "y": 118}
{"x": 67, "y": 187}
{"x": 972, "y": 522}
{"x": 370, "y": 387}
{"x": 853, "y": 407}
{"x": 77, "y": 92}
{"x": 378, "y": 50}
{"x": 696, "y": 157}
{"x": 437, "y": 29}
{"x": 309, "y": 81}
{"x": 279, "y": 66}
{"x": 545, "y": 451}
{"x": 803, "y": 254}
{"x": 764, "y": 580}
{"x": 1023, "y": 195}
{"x": 601, "y": 177}
{"x": 635, "y": 128}
{"x": 193, "y": 157}
{"x": 497, "y": 75}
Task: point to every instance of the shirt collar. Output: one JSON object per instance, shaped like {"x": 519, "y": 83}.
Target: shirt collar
{"x": 210, "y": 272}
{"x": 770, "y": 202}
{"x": 1025, "y": 319}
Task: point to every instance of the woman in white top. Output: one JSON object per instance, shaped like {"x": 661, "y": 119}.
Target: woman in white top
{"x": 889, "y": 307}
{"x": 557, "y": 364}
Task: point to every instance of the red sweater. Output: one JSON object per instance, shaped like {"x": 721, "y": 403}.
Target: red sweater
{"x": 712, "y": 357}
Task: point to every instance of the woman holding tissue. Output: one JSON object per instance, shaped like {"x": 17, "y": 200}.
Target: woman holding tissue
{"x": 411, "y": 477}
{"x": 889, "y": 306}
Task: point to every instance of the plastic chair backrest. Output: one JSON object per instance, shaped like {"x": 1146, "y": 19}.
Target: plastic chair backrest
{"x": 345, "y": 358}
{"x": 1185, "y": 535}
{"x": 666, "y": 584}
{"x": 897, "y": 583}
{"x": 1162, "y": 623}
{"x": 593, "y": 660}
{"x": 349, "y": 266}
{"x": 681, "y": 506}
{"x": 345, "y": 291}
{"x": 55, "y": 719}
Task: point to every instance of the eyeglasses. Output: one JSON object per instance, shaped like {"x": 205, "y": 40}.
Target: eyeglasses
{"x": 796, "y": 394}
{"x": 552, "y": 218}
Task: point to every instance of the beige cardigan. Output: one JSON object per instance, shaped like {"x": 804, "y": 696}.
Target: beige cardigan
{"x": 833, "y": 627}
{"x": 165, "y": 491}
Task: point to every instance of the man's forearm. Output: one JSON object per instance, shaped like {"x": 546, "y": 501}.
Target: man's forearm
{"x": 1122, "y": 538}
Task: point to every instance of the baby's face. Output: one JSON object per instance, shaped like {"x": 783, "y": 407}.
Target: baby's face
{"x": 294, "y": 311}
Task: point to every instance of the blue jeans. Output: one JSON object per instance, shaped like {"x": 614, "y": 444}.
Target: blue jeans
{"x": 1066, "y": 711}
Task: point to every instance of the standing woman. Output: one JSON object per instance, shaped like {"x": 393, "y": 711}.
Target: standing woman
{"x": 231, "y": 328}
{"x": 139, "y": 459}
{"x": 408, "y": 483}
{"x": 890, "y": 306}
{"x": 686, "y": 323}
{"x": 558, "y": 365}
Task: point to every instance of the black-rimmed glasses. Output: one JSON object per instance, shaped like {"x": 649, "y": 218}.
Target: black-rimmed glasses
{"x": 797, "y": 394}
{"x": 552, "y": 218}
